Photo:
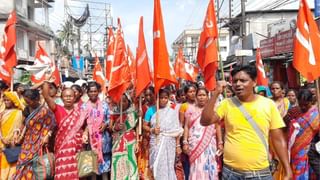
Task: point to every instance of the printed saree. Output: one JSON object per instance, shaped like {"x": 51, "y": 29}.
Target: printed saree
{"x": 10, "y": 123}
{"x": 68, "y": 143}
{"x": 303, "y": 128}
{"x": 202, "y": 144}
{"x": 124, "y": 162}
{"x": 163, "y": 146}
{"x": 38, "y": 124}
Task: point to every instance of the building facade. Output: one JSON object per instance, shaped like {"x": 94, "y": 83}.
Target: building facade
{"x": 189, "y": 40}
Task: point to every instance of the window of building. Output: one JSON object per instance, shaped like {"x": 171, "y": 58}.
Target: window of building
{"x": 32, "y": 48}
{"x": 30, "y": 13}
{"x": 223, "y": 49}
{"x": 20, "y": 39}
{"x": 223, "y": 38}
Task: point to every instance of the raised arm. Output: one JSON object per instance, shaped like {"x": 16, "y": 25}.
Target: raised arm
{"x": 209, "y": 116}
{"x": 46, "y": 96}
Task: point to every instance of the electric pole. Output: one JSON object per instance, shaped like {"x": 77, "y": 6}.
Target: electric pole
{"x": 243, "y": 21}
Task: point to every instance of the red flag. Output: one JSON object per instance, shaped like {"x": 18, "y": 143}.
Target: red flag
{"x": 44, "y": 64}
{"x": 179, "y": 65}
{"x": 207, "y": 56}
{"x": 143, "y": 75}
{"x": 120, "y": 73}
{"x": 191, "y": 72}
{"x": 110, "y": 53}
{"x": 163, "y": 74}
{"x": 97, "y": 74}
{"x": 4, "y": 70}
{"x": 262, "y": 79}
{"x": 306, "y": 54}
{"x": 132, "y": 64}
{"x": 9, "y": 55}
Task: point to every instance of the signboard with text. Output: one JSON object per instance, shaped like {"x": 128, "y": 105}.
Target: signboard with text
{"x": 267, "y": 47}
{"x": 284, "y": 42}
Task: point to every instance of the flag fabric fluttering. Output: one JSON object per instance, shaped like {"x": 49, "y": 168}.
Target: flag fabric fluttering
{"x": 42, "y": 65}
{"x": 120, "y": 77}
{"x": 163, "y": 74}
{"x": 183, "y": 69}
{"x": 262, "y": 79}
{"x": 132, "y": 64}
{"x": 97, "y": 74}
{"x": 306, "y": 56}
{"x": 10, "y": 39}
{"x": 207, "y": 56}
{"x": 4, "y": 69}
{"x": 109, "y": 53}
{"x": 143, "y": 75}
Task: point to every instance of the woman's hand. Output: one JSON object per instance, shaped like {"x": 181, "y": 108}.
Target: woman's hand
{"x": 45, "y": 140}
{"x": 155, "y": 130}
{"x": 85, "y": 139}
{"x": 5, "y": 141}
{"x": 178, "y": 150}
{"x": 103, "y": 127}
{"x": 136, "y": 147}
{"x": 186, "y": 149}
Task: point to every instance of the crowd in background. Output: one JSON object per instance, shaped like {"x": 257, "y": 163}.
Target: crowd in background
{"x": 171, "y": 141}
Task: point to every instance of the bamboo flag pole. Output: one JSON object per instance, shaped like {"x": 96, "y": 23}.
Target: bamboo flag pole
{"x": 140, "y": 117}
{"x": 157, "y": 117}
{"x": 121, "y": 111}
{"x": 318, "y": 94}
{"x": 11, "y": 80}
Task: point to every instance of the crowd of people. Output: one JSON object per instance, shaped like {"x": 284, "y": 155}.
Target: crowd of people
{"x": 234, "y": 132}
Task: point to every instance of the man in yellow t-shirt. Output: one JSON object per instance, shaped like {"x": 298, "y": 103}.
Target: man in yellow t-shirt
{"x": 245, "y": 156}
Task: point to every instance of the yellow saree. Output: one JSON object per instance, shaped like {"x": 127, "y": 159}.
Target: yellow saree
{"x": 10, "y": 123}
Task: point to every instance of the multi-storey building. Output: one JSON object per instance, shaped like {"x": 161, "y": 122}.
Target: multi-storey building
{"x": 189, "y": 40}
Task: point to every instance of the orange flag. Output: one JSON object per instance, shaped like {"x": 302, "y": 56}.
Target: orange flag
{"x": 163, "y": 74}
{"x": 97, "y": 74}
{"x": 120, "y": 72}
{"x": 179, "y": 65}
{"x": 262, "y": 79}
{"x": 43, "y": 63}
{"x": 306, "y": 54}
{"x": 110, "y": 53}
{"x": 132, "y": 64}
{"x": 4, "y": 70}
{"x": 9, "y": 55}
{"x": 143, "y": 75}
{"x": 207, "y": 56}
{"x": 191, "y": 72}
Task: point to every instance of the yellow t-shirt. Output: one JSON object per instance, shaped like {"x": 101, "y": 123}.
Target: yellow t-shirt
{"x": 243, "y": 149}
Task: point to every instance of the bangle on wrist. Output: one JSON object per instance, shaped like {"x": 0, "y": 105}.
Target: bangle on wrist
{"x": 220, "y": 143}
{"x": 185, "y": 142}
{"x": 178, "y": 145}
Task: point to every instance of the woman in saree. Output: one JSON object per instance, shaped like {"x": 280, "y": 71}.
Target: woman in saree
{"x": 124, "y": 144}
{"x": 39, "y": 124}
{"x": 283, "y": 105}
{"x": 200, "y": 142}
{"x": 68, "y": 140}
{"x": 302, "y": 130}
{"x": 165, "y": 135}
{"x": 11, "y": 121}
{"x": 97, "y": 113}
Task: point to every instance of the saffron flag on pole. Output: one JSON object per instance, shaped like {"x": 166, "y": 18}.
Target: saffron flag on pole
{"x": 97, "y": 74}
{"x": 132, "y": 64}
{"x": 42, "y": 65}
{"x": 262, "y": 79}
{"x": 163, "y": 74}
{"x": 183, "y": 69}
{"x": 9, "y": 55}
{"x": 4, "y": 70}
{"x": 110, "y": 53}
{"x": 191, "y": 72}
{"x": 120, "y": 73}
{"x": 207, "y": 56}
{"x": 143, "y": 75}
{"x": 306, "y": 54}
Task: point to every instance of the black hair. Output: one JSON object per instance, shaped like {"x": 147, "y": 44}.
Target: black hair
{"x": 187, "y": 87}
{"x": 291, "y": 90}
{"x": 16, "y": 86}
{"x": 249, "y": 69}
{"x": 163, "y": 90}
{"x": 93, "y": 84}
{"x": 305, "y": 95}
{"x": 200, "y": 89}
{"x": 77, "y": 87}
{"x": 32, "y": 94}
{"x": 180, "y": 92}
{"x": 3, "y": 85}
{"x": 277, "y": 82}
{"x": 52, "y": 84}
{"x": 150, "y": 88}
